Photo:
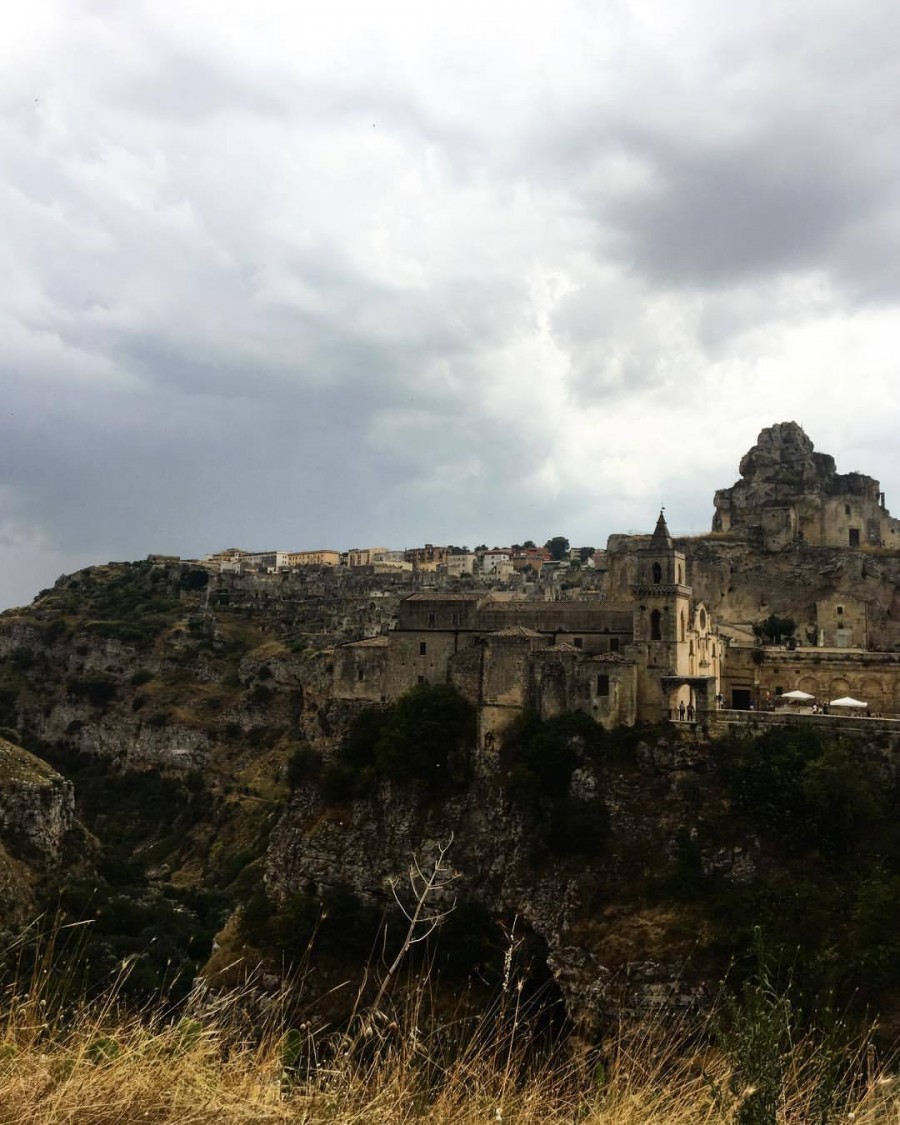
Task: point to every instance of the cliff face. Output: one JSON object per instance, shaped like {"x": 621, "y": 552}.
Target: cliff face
{"x": 36, "y": 803}
{"x": 172, "y": 699}
{"x": 582, "y": 897}
{"x": 36, "y": 813}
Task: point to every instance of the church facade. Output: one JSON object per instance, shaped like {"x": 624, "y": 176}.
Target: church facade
{"x": 651, "y": 653}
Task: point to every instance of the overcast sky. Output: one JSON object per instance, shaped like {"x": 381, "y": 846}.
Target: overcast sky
{"x": 304, "y": 275}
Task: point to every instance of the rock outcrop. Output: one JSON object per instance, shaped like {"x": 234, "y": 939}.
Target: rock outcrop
{"x": 36, "y": 813}
{"x": 36, "y": 805}
{"x": 608, "y": 951}
{"x": 789, "y": 493}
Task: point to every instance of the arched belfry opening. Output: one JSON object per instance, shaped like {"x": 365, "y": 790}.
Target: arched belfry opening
{"x": 657, "y": 573}
{"x": 656, "y": 625}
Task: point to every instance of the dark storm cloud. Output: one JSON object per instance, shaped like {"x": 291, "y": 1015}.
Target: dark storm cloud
{"x": 741, "y": 156}
{"x": 287, "y": 276}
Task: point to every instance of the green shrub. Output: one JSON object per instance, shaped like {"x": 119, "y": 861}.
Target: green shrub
{"x": 427, "y": 735}
{"x": 578, "y": 827}
{"x": 807, "y": 789}
{"x": 340, "y": 783}
{"x": 538, "y": 757}
{"x": 303, "y": 765}
{"x": 97, "y": 690}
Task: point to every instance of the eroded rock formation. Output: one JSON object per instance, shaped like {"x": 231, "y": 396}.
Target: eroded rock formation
{"x": 789, "y": 493}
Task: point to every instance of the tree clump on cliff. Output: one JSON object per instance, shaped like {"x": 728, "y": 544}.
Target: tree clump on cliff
{"x": 426, "y": 736}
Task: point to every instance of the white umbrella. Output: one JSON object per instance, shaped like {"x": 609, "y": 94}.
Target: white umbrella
{"x": 846, "y": 701}
{"x": 797, "y": 696}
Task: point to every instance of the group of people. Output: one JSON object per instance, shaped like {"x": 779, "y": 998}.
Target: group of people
{"x": 686, "y": 711}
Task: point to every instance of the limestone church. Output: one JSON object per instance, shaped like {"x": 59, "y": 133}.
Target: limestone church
{"x": 649, "y": 652}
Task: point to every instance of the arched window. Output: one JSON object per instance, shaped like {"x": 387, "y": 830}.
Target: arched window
{"x": 657, "y": 573}
{"x": 655, "y": 626}
{"x": 682, "y": 625}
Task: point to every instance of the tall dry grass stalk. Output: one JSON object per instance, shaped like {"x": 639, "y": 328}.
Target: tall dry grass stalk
{"x": 225, "y": 1058}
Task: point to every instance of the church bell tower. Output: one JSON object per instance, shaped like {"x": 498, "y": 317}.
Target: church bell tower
{"x": 662, "y": 606}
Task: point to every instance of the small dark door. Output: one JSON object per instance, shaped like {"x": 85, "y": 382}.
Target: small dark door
{"x": 740, "y": 699}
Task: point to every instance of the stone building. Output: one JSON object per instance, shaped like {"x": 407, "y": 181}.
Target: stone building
{"x": 792, "y": 538}
{"x": 313, "y": 558}
{"x": 426, "y": 558}
{"x": 639, "y": 657}
{"x": 790, "y": 494}
{"x": 757, "y": 677}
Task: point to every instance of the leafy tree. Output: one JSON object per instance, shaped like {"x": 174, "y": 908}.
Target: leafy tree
{"x": 558, "y": 547}
{"x": 775, "y": 629}
{"x": 539, "y": 757}
{"x": 427, "y": 735}
{"x": 304, "y": 764}
{"x": 808, "y": 790}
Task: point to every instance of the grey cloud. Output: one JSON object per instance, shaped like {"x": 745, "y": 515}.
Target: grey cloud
{"x": 186, "y": 87}
{"x": 315, "y": 304}
{"x": 729, "y": 214}
{"x": 754, "y": 156}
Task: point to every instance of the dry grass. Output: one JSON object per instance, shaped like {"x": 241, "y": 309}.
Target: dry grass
{"x": 231, "y": 1058}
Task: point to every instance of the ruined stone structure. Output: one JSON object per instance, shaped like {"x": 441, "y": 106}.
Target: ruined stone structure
{"x": 790, "y": 494}
{"x": 639, "y": 657}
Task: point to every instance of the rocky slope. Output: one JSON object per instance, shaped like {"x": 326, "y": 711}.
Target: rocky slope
{"x": 36, "y": 817}
{"x": 189, "y": 716}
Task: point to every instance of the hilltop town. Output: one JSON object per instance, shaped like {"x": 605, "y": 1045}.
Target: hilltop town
{"x": 793, "y": 589}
